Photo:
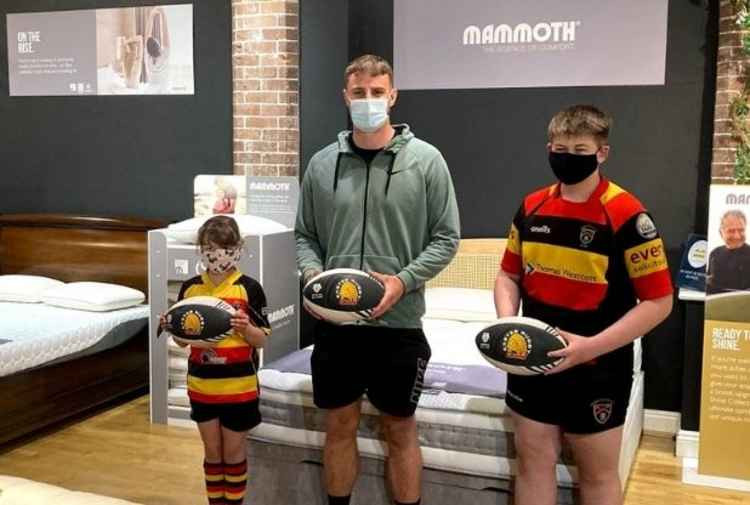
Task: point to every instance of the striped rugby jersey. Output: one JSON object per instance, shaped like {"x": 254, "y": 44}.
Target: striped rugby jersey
{"x": 584, "y": 265}
{"x": 226, "y": 373}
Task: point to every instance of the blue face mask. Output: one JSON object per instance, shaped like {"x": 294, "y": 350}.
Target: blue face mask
{"x": 369, "y": 114}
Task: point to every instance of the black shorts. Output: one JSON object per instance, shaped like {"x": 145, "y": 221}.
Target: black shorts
{"x": 581, "y": 400}
{"x": 388, "y": 364}
{"x": 232, "y": 416}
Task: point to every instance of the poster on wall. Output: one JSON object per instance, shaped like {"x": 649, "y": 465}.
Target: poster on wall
{"x": 517, "y": 43}
{"x": 271, "y": 197}
{"x": 725, "y": 393}
{"x": 123, "y": 51}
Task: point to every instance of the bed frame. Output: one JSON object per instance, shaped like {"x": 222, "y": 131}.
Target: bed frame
{"x": 74, "y": 248}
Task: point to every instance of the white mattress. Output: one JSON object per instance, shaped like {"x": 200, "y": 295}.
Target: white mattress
{"x": 35, "y": 334}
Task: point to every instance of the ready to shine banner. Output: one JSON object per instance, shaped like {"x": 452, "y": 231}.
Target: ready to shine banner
{"x": 124, "y": 51}
{"x": 522, "y": 43}
{"x": 725, "y": 386}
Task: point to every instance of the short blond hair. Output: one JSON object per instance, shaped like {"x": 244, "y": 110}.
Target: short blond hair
{"x": 580, "y": 120}
{"x": 368, "y": 64}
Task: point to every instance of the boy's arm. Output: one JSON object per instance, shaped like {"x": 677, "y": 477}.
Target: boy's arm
{"x": 507, "y": 290}
{"x": 645, "y": 259}
{"x": 636, "y": 322}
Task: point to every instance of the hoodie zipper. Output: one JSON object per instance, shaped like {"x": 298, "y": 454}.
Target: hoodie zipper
{"x": 364, "y": 217}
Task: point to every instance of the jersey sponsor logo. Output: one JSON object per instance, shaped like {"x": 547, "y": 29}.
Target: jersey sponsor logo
{"x": 646, "y": 258}
{"x": 348, "y": 292}
{"x": 516, "y": 345}
{"x": 587, "y": 235}
{"x": 645, "y": 226}
{"x": 541, "y": 229}
{"x": 602, "y": 410}
{"x": 316, "y": 291}
{"x": 209, "y": 357}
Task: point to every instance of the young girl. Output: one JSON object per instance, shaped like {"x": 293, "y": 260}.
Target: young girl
{"x": 222, "y": 381}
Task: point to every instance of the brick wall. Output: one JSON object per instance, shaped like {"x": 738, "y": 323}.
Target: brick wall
{"x": 729, "y": 83}
{"x": 265, "y": 79}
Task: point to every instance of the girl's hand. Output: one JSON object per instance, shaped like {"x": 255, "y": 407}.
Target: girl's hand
{"x": 241, "y": 323}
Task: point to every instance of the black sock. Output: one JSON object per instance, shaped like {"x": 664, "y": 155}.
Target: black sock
{"x": 410, "y": 503}
{"x": 339, "y": 500}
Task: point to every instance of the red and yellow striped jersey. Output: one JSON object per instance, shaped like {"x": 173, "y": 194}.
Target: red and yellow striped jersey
{"x": 584, "y": 265}
{"x": 226, "y": 373}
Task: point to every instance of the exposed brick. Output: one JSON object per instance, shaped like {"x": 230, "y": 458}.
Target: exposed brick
{"x": 273, "y": 7}
{"x": 259, "y": 47}
{"x": 279, "y": 158}
{"x": 247, "y": 133}
{"x": 289, "y": 122}
{"x": 725, "y": 97}
{"x": 730, "y": 39}
{"x": 724, "y": 155}
{"x": 262, "y": 21}
{"x": 725, "y": 140}
{"x": 281, "y": 84}
{"x": 248, "y": 110}
{"x": 722, "y": 169}
{"x": 247, "y": 84}
{"x": 261, "y": 97}
{"x": 264, "y": 146}
{"x": 245, "y": 9}
{"x": 248, "y": 60}
{"x": 263, "y": 122}
{"x": 286, "y": 135}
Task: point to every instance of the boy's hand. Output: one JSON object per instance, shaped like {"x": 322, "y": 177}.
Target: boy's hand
{"x": 394, "y": 290}
{"x": 579, "y": 350}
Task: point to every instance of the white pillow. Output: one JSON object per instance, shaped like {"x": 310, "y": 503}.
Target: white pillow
{"x": 25, "y": 288}
{"x": 460, "y": 304}
{"x": 95, "y": 296}
{"x": 187, "y": 231}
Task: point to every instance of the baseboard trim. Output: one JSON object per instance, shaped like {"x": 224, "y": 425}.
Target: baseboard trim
{"x": 686, "y": 445}
{"x": 661, "y": 422}
{"x": 690, "y": 475}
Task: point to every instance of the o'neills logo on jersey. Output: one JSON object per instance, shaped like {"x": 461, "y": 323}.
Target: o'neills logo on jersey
{"x": 522, "y": 33}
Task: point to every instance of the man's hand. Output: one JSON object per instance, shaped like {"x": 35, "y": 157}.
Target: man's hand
{"x": 394, "y": 290}
{"x": 579, "y": 350}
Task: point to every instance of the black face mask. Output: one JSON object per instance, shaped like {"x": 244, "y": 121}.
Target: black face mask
{"x": 572, "y": 168}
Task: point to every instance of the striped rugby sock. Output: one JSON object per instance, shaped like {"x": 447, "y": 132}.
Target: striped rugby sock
{"x": 235, "y": 482}
{"x": 214, "y": 482}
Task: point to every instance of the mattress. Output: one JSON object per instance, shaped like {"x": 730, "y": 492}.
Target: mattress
{"x": 34, "y": 335}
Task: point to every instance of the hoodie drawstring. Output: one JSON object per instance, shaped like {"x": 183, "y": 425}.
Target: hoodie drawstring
{"x": 390, "y": 171}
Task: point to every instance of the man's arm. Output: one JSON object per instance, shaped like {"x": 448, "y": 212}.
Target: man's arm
{"x": 309, "y": 255}
{"x": 444, "y": 228}
{"x": 443, "y": 223}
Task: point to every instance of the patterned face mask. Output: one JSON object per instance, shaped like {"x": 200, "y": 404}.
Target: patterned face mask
{"x": 220, "y": 261}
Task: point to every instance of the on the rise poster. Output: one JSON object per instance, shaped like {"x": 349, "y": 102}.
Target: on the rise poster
{"x": 123, "y": 51}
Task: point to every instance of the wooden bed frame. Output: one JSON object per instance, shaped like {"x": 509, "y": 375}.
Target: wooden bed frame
{"x": 74, "y": 248}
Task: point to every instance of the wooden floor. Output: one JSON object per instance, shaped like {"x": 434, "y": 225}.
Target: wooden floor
{"x": 118, "y": 453}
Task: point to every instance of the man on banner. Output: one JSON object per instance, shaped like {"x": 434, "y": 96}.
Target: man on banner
{"x": 729, "y": 265}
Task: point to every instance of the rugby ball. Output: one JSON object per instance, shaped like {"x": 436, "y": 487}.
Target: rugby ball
{"x": 519, "y": 345}
{"x": 343, "y": 295}
{"x": 201, "y": 321}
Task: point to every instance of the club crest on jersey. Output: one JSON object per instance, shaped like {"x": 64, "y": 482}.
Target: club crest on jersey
{"x": 516, "y": 345}
{"x": 587, "y": 235}
{"x": 192, "y": 323}
{"x": 348, "y": 292}
{"x": 602, "y": 410}
{"x": 645, "y": 226}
